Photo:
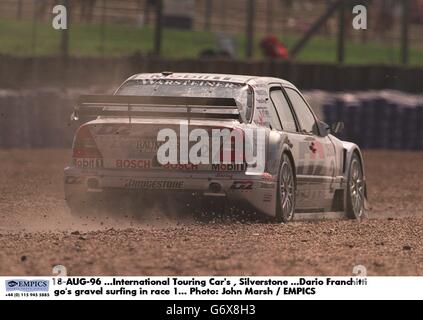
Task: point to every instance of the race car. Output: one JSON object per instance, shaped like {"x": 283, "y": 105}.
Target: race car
{"x": 188, "y": 134}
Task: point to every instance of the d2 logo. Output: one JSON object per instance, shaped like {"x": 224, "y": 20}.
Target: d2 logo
{"x": 242, "y": 185}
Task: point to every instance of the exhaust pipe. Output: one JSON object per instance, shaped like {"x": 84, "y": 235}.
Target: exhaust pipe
{"x": 93, "y": 185}
{"x": 215, "y": 187}
{"x": 215, "y": 190}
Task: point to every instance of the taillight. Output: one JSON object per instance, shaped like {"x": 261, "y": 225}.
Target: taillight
{"x": 84, "y": 145}
{"x": 235, "y": 151}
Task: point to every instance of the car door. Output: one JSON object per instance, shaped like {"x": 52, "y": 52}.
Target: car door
{"x": 291, "y": 129}
{"x": 315, "y": 156}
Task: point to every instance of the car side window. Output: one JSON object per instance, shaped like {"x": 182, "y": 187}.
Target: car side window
{"x": 283, "y": 109}
{"x": 273, "y": 117}
{"x": 305, "y": 116}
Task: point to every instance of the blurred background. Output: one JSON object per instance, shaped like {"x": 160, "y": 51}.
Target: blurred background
{"x": 371, "y": 79}
{"x": 192, "y": 27}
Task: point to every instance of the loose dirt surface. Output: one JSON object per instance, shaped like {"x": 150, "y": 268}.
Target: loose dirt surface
{"x": 38, "y": 232}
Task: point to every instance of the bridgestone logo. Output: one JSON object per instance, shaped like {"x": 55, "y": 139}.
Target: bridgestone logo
{"x": 155, "y": 185}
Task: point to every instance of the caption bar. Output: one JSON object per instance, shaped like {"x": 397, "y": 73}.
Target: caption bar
{"x": 209, "y": 288}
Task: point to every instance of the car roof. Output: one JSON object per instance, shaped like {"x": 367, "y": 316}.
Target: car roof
{"x": 234, "y": 78}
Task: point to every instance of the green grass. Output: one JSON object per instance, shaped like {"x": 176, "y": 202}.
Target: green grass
{"x": 119, "y": 39}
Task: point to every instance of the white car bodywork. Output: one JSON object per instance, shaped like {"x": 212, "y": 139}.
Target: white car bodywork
{"x": 320, "y": 160}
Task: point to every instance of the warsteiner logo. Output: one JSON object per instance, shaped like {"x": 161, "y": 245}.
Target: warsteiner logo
{"x": 27, "y": 285}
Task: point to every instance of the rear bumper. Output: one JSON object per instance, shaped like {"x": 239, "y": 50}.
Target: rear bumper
{"x": 255, "y": 190}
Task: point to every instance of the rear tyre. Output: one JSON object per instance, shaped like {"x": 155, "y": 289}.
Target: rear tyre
{"x": 286, "y": 195}
{"x": 356, "y": 190}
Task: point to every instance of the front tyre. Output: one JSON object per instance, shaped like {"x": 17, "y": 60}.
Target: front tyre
{"x": 286, "y": 195}
{"x": 356, "y": 190}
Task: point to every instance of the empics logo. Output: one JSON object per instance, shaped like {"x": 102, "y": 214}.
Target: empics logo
{"x": 27, "y": 285}
{"x": 11, "y": 284}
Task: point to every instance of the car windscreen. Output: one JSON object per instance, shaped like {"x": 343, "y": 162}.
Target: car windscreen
{"x": 192, "y": 88}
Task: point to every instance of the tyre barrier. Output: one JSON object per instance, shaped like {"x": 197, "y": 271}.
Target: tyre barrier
{"x": 36, "y": 119}
{"x": 374, "y": 120}
{"x": 378, "y": 120}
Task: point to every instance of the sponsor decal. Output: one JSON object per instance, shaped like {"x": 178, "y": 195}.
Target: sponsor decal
{"x": 180, "y": 166}
{"x": 27, "y": 285}
{"x": 260, "y": 117}
{"x": 267, "y": 185}
{"x": 314, "y": 150}
{"x": 242, "y": 185}
{"x": 229, "y": 167}
{"x": 261, "y": 100}
{"x": 116, "y": 129}
{"x": 133, "y": 164}
{"x": 154, "y": 184}
{"x": 225, "y": 175}
{"x": 224, "y": 146}
{"x": 88, "y": 163}
{"x": 267, "y": 197}
{"x": 147, "y": 145}
{"x": 267, "y": 176}
{"x": 261, "y": 92}
{"x": 190, "y": 82}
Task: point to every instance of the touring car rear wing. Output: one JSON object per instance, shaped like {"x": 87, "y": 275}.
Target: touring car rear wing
{"x": 155, "y": 106}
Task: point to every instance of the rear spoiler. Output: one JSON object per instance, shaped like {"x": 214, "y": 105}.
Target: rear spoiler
{"x": 155, "y": 106}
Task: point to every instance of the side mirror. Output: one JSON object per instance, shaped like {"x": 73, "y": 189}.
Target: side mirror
{"x": 324, "y": 128}
{"x": 337, "y": 127}
{"x": 74, "y": 116}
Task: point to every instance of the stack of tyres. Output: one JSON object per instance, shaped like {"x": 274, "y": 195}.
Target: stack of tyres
{"x": 385, "y": 112}
{"x": 378, "y": 120}
{"x": 377, "y": 123}
{"x": 334, "y": 110}
{"x": 49, "y": 103}
{"x": 409, "y": 125}
{"x": 353, "y": 120}
{"x": 10, "y": 128}
{"x": 398, "y": 129}
{"x": 36, "y": 119}
{"x": 366, "y": 127}
{"x": 391, "y": 122}
{"x": 419, "y": 119}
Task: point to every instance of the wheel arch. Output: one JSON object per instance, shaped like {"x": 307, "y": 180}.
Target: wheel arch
{"x": 351, "y": 149}
{"x": 280, "y": 217}
{"x": 286, "y": 149}
{"x": 279, "y": 144}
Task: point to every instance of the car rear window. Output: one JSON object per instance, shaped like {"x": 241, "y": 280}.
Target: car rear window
{"x": 192, "y": 88}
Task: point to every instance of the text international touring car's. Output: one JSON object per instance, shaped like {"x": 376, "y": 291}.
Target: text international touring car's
{"x": 252, "y": 140}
